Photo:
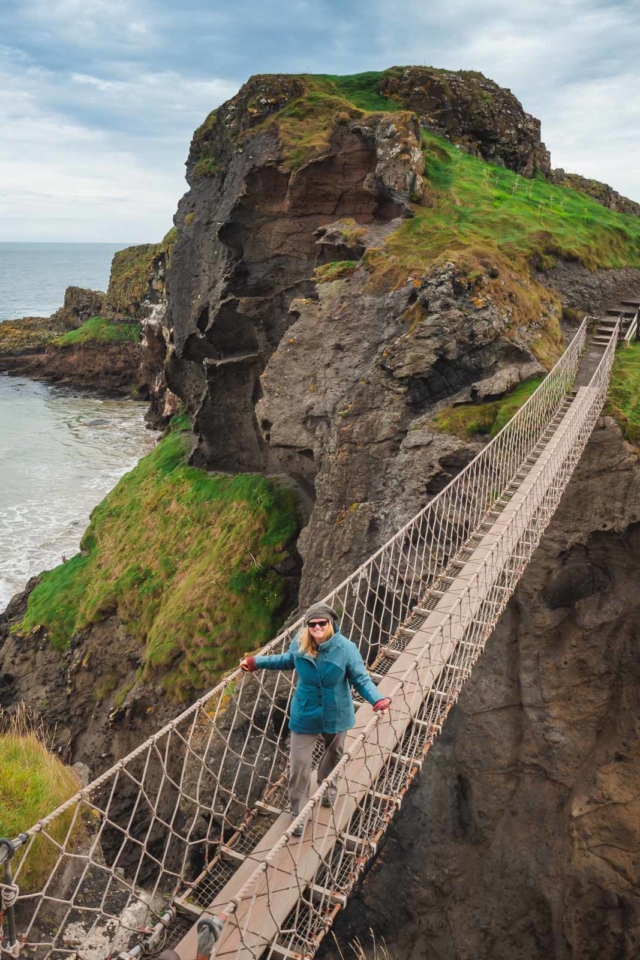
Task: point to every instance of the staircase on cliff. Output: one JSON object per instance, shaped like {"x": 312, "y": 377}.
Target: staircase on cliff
{"x": 193, "y": 823}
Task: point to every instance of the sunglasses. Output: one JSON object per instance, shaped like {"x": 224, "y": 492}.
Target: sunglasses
{"x": 317, "y": 623}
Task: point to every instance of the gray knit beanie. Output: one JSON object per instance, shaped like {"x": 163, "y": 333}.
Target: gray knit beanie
{"x": 320, "y": 610}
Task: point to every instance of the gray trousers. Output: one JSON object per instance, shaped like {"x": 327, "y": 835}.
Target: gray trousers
{"x": 301, "y": 755}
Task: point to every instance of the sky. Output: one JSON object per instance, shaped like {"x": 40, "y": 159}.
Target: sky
{"x": 100, "y": 97}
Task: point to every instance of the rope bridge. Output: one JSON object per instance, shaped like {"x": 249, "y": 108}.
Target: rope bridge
{"x": 193, "y": 823}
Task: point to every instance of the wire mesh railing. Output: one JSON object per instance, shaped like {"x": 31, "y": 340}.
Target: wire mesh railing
{"x": 631, "y": 335}
{"x": 191, "y": 822}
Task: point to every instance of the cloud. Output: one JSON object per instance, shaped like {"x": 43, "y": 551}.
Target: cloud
{"x": 595, "y": 131}
{"x": 89, "y": 159}
{"x": 101, "y": 97}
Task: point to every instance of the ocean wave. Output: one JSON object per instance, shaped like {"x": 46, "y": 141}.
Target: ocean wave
{"x": 59, "y": 456}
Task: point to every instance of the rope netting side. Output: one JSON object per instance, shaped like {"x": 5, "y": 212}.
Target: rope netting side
{"x": 166, "y": 821}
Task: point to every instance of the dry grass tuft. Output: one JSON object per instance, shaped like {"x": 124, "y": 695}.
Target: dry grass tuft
{"x": 377, "y": 951}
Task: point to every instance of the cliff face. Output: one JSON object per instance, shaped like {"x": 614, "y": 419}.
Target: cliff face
{"x": 252, "y": 230}
{"x": 353, "y": 390}
{"x": 521, "y": 839}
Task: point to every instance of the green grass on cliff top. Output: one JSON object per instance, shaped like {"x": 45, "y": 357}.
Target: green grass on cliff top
{"x": 623, "y": 401}
{"x": 100, "y": 330}
{"x": 471, "y": 205}
{"x": 476, "y": 208}
{"x": 359, "y": 89}
{"x": 185, "y": 559}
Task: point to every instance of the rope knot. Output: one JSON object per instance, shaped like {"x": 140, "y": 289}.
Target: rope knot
{"x": 12, "y": 951}
{"x": 10, "y": 893}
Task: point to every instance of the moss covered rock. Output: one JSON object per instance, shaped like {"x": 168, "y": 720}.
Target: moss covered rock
{"x": 187, "y": 561}
{"x": 138, "y": 276}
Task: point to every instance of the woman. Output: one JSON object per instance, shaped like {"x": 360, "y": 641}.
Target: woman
{"x": 326, "y": 664}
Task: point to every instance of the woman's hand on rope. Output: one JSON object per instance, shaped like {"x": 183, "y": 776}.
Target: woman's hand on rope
{"x": 381, "y": 706}
{"x": 248, "y": 664}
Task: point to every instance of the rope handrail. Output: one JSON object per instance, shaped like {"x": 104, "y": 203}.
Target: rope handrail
{"x": 159, "y": 836}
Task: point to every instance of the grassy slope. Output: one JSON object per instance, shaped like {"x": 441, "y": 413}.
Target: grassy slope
{"x": 100, "y": 330}
{"x": 185, "y": 559}
{"x": 490, "y": 211}
{"x": 624, "y": 392}
{"x": 470, "y": 419}
{"x": 33, "y": 782}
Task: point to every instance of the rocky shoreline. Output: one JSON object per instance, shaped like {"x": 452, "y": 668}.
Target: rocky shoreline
{"x": 104, "y": 342}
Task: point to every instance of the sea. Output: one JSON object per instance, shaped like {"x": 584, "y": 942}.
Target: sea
{"x": 61, "y": 451}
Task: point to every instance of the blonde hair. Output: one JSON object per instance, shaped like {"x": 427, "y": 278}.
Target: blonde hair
{"x": 306, "y": 642}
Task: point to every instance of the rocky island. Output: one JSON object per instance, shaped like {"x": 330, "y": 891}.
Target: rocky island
{"x": 109, "y": 342}
{"x": 367, "y": 278}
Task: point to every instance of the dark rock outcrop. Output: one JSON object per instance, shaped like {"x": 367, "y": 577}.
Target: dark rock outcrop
{"x": 471, "y": 110}
{"x": 111, "y": 368}
{"x": 521, "y": 839}
{"x": 80, "y": 304}
{"x": 252, "y": 228}
{"x": 590, "y": 291}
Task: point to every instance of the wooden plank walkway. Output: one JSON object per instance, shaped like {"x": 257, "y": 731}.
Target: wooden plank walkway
{"x": 258, "y": 918}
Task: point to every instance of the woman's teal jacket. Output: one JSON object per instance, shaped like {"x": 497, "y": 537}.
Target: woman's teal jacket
{"x": 322, "y": 700}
